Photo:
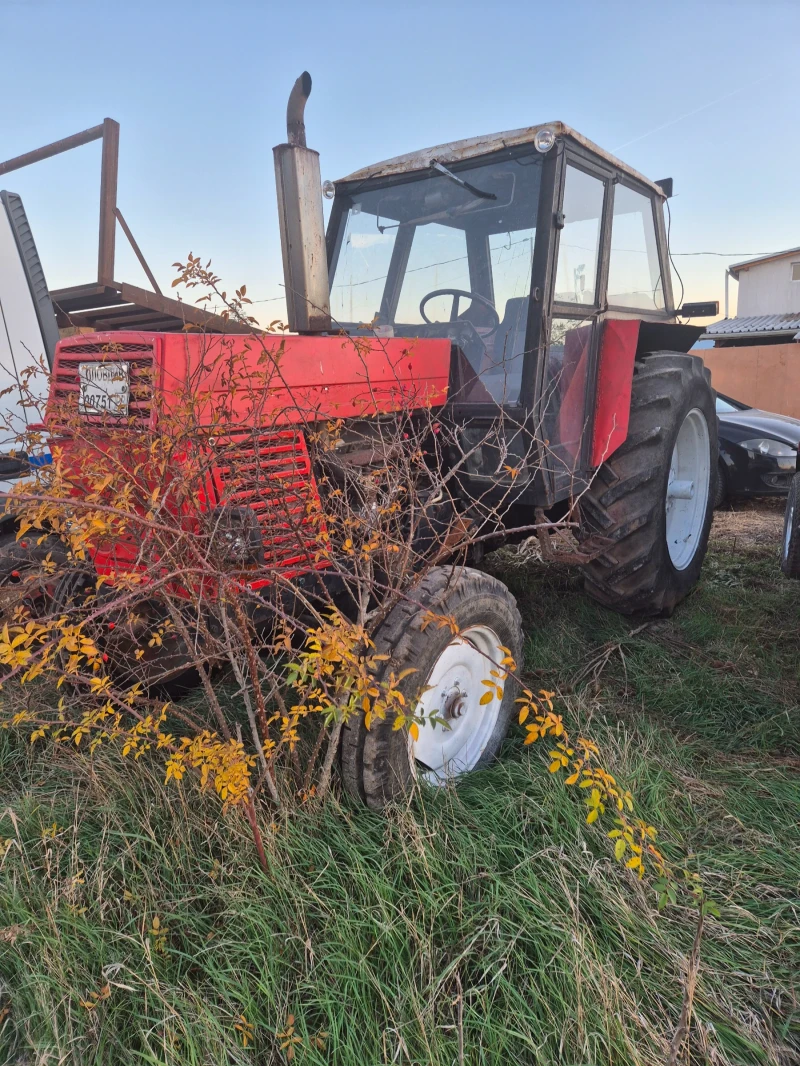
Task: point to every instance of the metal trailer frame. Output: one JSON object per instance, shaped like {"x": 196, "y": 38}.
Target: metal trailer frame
{"x": 106, "y": 304}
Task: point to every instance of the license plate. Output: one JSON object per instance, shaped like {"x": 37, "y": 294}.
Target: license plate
{"x": 104, "y": 389}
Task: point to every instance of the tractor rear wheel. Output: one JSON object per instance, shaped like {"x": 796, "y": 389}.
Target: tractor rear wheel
{"x": 647, "y": 513}
{"x": 380, "y": 764}
{"x": 790, "y": 549}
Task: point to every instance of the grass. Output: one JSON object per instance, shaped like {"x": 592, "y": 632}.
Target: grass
{"x": 491, "y": 918}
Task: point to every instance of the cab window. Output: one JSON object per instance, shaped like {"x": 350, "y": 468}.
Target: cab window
{"x": 469, "y": 230}
{"x": 634, "y": 271}
{"x": 579, "y": 240}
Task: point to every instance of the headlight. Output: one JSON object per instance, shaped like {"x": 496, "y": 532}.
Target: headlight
{"x": 544, "y": 139}
{"x": 775, "y": 449}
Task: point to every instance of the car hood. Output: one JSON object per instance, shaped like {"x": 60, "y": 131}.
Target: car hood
{"x": 755, "y": 423}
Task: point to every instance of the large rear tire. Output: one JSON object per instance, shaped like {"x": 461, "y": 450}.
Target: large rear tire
{"x": 647, "y": 513}
{"x": 790, "y": 545}
{"x": 380, "y": 764}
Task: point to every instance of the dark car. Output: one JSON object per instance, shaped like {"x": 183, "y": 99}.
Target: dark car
{"x": 758, "y": 450}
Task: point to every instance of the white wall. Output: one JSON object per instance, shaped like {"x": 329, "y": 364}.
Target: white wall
{"x": 768, "y": 289}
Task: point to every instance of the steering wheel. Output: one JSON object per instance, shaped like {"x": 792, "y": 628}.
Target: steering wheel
{"x": 457, "y": 294}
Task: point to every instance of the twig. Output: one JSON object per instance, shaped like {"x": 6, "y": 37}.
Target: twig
{"x": 682, "y": 1031}
{"x": 330, "y": 755}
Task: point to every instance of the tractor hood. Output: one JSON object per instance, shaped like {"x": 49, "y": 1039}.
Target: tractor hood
{"x": 124, "y": 380}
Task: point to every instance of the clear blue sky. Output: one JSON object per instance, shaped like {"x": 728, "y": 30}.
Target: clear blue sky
{"x": 704, "y": 92}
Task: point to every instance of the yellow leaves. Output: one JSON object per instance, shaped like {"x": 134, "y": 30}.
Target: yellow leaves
{"x": 158, "y": 935}
{"x": 289, "y": 1039}
{"x": 245, "y": 1030}
{"x": 413, "y": 730}
{"x": 486, "y": 698}
{"x": 95, "y": 998}
{"x": 620, "y": 848}
{"x": 441, "y": 621}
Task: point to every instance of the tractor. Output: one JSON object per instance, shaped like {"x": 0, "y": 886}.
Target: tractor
{"x": 526, "y": 276}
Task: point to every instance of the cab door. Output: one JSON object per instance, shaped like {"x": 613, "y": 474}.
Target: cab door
{"x": 570, "y": 331}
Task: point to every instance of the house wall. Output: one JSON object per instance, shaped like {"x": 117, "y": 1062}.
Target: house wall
{"x": 765, "y": 376}
{"x": 768, "y": 289}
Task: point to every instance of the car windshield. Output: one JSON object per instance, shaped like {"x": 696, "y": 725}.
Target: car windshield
{"x": 725, "y": 407}
{"x": 472, "y": 230}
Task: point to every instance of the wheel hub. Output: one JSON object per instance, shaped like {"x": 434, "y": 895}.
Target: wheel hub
{"x": 463, "y": 725}
{"x": 453, "y": 701}
{"x": 688, "y": 485}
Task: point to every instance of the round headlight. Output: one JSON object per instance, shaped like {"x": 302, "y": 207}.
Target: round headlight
{"x": 544, "y": 139}
{"x": 328, "y": 189}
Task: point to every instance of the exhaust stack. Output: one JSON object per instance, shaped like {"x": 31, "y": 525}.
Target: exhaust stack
{"x": 298, "y": 180}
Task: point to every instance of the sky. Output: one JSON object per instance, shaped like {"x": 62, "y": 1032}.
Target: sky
{"x": 704, "y": 92}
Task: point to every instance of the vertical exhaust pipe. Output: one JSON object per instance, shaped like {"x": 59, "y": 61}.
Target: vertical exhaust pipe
{"x": 299, "y": 186}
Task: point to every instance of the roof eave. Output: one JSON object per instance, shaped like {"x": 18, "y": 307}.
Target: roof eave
{"x": 736, "y": 268}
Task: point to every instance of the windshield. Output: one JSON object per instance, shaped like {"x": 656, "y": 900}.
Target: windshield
{"x": 473, "y": 230}
{"x": 725, "y": 407}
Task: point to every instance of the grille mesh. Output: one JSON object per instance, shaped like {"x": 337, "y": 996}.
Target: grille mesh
{"x": 271, "y": 473}
{"x": 66, "y": 382}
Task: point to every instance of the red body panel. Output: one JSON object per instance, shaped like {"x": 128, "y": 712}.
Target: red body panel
{"x": 304, "y": 378}
{"x": 269, "y": 388}
{"x": 614, "y": 381}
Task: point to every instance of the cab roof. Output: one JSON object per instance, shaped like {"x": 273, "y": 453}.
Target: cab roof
{"x": 471, "y": 147}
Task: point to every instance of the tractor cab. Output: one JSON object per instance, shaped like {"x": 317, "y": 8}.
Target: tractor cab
{"x": 516, "y": 247}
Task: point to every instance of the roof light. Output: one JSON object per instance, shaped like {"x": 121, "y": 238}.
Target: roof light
{"x": 328, "y": 189}
{"x": 544, "y": 139}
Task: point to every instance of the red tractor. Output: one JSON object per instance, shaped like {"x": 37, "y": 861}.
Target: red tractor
{"x": 519, "y": 280}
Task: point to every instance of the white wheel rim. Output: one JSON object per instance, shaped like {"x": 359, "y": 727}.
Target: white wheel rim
{"x": 787, "y": 536}
{"x": 453, "y": 692}
{"x": 687, "y": 489}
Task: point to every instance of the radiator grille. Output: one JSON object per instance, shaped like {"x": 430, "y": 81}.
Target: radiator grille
{"x": 66, "y": 382}
{"x": 271, "y": 473}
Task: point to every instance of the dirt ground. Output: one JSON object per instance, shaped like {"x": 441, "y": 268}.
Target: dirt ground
{"x": 749, "y": 522}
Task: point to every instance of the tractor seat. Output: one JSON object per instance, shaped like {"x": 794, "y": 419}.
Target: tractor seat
{"x": 501, "y": 371}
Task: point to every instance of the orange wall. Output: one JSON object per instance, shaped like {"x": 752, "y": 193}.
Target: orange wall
{"x": 765, "y": 376}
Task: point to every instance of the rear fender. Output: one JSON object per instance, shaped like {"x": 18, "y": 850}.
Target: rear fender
{"x": 622, "y": 341}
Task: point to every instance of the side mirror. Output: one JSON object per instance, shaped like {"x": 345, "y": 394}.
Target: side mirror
{"x": 700, "y": 310}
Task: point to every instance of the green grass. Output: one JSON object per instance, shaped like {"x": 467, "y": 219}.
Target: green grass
{"x": 493, "y": 913}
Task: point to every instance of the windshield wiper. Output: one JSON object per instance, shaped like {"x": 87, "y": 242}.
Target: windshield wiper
{"x": 464, "y": 184}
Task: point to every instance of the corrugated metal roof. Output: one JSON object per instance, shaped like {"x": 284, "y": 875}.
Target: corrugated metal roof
{"x": 470, "y": 147}
{"x": 761, "y": 259}
{"x": 754, "y": 324}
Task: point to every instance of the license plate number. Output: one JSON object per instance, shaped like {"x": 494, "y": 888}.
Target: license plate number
{"x": 104, "y": 389}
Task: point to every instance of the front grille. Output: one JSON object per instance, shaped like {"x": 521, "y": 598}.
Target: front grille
{"x": 65, "y": 388}
{"x": 271, "y": 473}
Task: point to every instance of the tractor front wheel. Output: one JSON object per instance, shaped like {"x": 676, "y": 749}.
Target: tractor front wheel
{"x": 647, "y": 513}
{"x": 29, "y": 570}
{"x": 380, "y": 764}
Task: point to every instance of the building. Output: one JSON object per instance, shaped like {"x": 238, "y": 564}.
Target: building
{"x": 768, "y": 308}
{"x": 756, "y": 355}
